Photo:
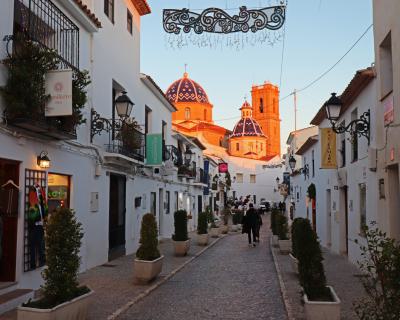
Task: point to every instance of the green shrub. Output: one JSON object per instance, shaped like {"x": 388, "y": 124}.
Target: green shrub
{"x": 311, "y": 269}
{"x": 282, "y": 226}
{"x": 63, "y": 240}
{"x": 297, "y": 234}
{"x": 148, "y": 249}
{"x": 381, "y": 265}
{"x": 274, "y": 214}
{"x": 202, "y": 225}
{"x": 180, "y": 223}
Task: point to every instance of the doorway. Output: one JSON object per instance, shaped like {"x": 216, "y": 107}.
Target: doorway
{"x": 9, "y": 191}
{"x": 160, "y": 210}
{"x": 199, "y": 204}
{"x": 344, "y": 222}
{"x": 328, "y": 218}
{"x": 117, "y": 218}
{"x": 394, "y": 201}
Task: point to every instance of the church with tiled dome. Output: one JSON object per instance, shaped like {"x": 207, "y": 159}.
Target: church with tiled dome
{"x": 255, "y": 136}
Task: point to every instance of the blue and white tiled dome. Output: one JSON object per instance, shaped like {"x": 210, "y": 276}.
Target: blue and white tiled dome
{"x": 186, "y": 90}
{"x": 247, "y": 126}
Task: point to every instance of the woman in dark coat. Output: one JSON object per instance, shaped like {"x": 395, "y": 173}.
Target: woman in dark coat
{"x": 250, "y": 221}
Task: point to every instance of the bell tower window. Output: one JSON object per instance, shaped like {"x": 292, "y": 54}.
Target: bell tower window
{"x": 187, "y": 113}
{"x": 261, "y": 105}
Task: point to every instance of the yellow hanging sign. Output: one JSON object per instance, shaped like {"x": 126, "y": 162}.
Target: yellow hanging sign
{"x": 328, "y": 149}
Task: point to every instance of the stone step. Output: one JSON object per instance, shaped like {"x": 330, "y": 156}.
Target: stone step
{"x": 13, "y": 299}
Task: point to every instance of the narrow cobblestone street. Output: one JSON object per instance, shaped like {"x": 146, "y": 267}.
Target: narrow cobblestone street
{"x": 229, "y": 281}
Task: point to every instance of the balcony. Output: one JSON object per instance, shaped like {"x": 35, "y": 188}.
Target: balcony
{"x": 172, "y": 153}
{"x": 187, "y": 172}
{"x": 44, "y": 39}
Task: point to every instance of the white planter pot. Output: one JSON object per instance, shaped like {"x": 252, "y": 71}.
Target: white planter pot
{"x": 214, "y": 232}
{"x": 321, "y": 310}
{"x": 295, "y": 263}
{"x": 181, "y": 248}
{"x": 74, "y": 309}
{"x": 145, "y": 271}
{"x": 234, "y": 228}
{"x": 285, "y": 246}
{"x": 202, "y": 239}
{"x": 275, "y": 240}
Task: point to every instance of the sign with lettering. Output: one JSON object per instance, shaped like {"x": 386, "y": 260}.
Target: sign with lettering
{"x": 59, "y": 87}
{"x": 328, "y": 149}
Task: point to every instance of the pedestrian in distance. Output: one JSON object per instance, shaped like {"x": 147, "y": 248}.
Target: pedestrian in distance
{"x": 259, "y": 224}
{"x": 250, "y": 221}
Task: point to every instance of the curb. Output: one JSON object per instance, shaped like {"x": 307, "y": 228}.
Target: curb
{"x": 281, "y": 283}
{"x": 129, "y": 304}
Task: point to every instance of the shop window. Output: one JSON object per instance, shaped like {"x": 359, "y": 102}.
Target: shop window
{"x": 58, "y": 191}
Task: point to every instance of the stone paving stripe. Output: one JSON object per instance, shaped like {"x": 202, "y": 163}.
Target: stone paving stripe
{"x": 281, "y": 284}
{"x": 129, "y": 304}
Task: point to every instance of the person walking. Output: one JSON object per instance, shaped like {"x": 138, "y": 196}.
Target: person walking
{"x": 258, "y": 226}
{"x": 250, "y": 225}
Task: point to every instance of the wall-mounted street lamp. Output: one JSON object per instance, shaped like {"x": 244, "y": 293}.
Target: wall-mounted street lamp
{"x": 43, "y": 160}
{"x": 123, "y": 105}
{"x": 359, "y": 126}
{"x": 292, "y": 162}
{"x": 188, "y": 156}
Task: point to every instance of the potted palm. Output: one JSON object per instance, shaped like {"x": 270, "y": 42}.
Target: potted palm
{"x": 320, "y": 300}
{"x": 148, "y": 262}
{"x": 62, "y": 297}
{"x": 202, "y": 232}
{"x": 285, "y": 244}
{"x": 180, "y": 238}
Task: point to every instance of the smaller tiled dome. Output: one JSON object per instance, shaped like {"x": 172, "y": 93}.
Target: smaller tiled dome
{"x": 247, "y": 127}
{"x": 186, "y": 90}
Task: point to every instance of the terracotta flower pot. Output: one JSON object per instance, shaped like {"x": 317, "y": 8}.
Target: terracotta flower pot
{"x": 295, "y": 263}
{"x": 322, "y": 310}
{"x": 202, "y": 239}
{"x": 181, "y": 248}
{"x": 224, "y": 229}
{"x": 145, "y": 271}
{"x": 74, "y": 309}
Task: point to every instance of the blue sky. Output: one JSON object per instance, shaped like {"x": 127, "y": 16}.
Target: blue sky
{"x": 318, "y": 33}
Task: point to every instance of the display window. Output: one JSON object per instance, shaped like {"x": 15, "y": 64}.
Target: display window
{"x": 58, "y": 191}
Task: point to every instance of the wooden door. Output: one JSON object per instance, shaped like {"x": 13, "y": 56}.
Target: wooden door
{"x": 9, "y": 171}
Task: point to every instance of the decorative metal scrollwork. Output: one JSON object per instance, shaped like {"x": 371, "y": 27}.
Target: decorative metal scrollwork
{"x": 214, "y": 20}
{"x": 99, "y": 124}
{"x": 360, "y": 126}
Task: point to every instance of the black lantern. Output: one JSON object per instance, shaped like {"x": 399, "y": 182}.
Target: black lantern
{"x": 188, "y": 155}
{"x": 360, "y": 127}
{"x": 292, "y": 162}
{"x": 124, "y": 105}
{"x": 43, "y": 160}
{"x": 333, "y": 107}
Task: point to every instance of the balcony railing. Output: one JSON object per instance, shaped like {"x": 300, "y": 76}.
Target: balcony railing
{"x": 43, "y": 22}
{"x": 187, "y": 171}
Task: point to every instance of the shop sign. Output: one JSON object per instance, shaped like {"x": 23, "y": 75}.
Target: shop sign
{"x": 223, "y": 167}
{"x": 154, "y": 149}
{"x": 328, "y": 149}
{"x": 59, "y": 88}
{"x": 388, "y": 110}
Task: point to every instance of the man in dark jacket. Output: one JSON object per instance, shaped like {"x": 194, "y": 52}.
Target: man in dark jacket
{"x": 250, "y": 224}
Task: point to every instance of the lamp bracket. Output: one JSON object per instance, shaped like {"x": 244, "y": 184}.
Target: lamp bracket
{"x": 360, "y": 126}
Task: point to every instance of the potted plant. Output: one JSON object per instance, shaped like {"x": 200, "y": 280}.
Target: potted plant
{"x": 130, "y": 135}
{"x": 202, "y": 232}
{"x": 320, "y": 300}
{"x": 236, "y": 219}
{"x": 285, "y": 244}
{"x": 180, "y": 238}
{"x": 380, "y": 264}
{"x": 62, "y": 297}
{"x": 225, "y": 220}
{"x": 148, "y": 262}
{"x": 296, "y": 239}
{"x": 214, "y": 229}
{"x": 274, "y": 228}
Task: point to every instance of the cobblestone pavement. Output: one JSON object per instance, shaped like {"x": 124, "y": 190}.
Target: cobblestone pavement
{"x": 340, "y": 273}
{"x": 229, "y": 281}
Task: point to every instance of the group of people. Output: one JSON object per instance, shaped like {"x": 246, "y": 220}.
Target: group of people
{"x": 252, "y": 223}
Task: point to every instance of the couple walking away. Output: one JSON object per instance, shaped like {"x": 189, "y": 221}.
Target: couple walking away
{"x": 251, "y": 225}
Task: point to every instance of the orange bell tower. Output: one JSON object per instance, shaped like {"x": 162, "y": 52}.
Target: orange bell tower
{"x": 265, "y": 101}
